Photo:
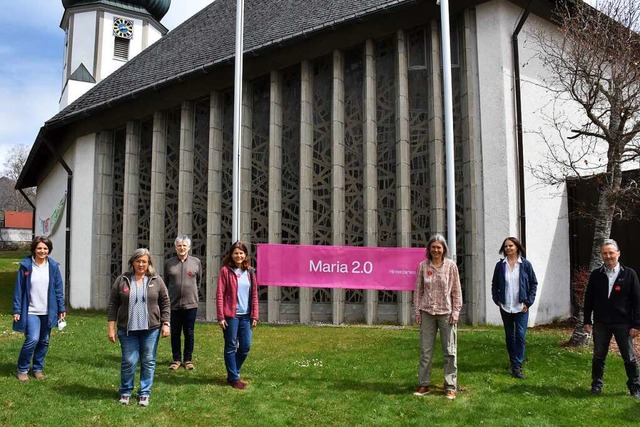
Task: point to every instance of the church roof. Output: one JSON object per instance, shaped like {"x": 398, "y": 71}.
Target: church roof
{"x": 207, "y": 39}
{"x": 157, "y": 8}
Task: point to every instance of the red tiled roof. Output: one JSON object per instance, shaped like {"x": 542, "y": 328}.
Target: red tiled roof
{"x": 14, "y": 219}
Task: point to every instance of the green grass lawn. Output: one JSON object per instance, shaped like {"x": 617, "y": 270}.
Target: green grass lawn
{"x": 310, "y": 376}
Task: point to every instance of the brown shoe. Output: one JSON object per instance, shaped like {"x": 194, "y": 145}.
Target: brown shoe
{"x": 237, "y": 384}
{"x": 422, "y": 391}
{"x": 450, "y": 394}
{"x": 22, "y": 377}
{"x": 39, "y": 375}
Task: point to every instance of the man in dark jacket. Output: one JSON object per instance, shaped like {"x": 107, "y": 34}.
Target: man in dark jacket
{"x": 613, "y": 297}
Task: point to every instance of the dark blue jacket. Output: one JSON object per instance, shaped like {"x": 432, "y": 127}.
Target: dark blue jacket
{"x": 528, "y": 283}
{"x": 23, "y": 288}
{"x": 623, "y": 306}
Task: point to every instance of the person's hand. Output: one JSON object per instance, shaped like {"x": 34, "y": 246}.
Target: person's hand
{"x": 223, "y": 324}
{"x": 16, "y": 317}
{"x": 525, "y": 308}
{"x": 165, "y": 331}
{"x": 418, "y": 319}
{"x": 63, "y": 315}
{"x": 453, "y": 320}
{"x": 111, "y": 332}
{"x": 634, "y": 332}
{"x": 254, "y": 323}
{"x": 588, "y": 329}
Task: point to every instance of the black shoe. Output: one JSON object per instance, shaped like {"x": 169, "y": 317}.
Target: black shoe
{"x": 635, "y": 393}
{"x": 517, "y": 373}
{"x": 597, "y": 391}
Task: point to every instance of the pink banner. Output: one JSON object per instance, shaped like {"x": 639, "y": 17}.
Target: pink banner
{"x": 352, "y": 267}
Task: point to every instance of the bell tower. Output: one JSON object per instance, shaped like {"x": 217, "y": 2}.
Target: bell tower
{"x": 101, "y": 36}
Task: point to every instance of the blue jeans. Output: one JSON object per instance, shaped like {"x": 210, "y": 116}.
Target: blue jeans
{"x": 237, "y": 343}
{"x": 515, "y": 331}
{"x": 138, "y": 345}
{"x": 35, "y": 345}
{"x": 182, "y": 321}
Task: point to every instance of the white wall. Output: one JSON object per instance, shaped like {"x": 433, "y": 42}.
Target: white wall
{"x": 50, "y": 191}
{"x": 83, "y": 42}
{"x": 546, "y": 208}
{"x": 82, "y": 225}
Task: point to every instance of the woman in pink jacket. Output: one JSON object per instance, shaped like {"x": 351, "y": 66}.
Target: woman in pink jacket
{"x": 237, "y": 306}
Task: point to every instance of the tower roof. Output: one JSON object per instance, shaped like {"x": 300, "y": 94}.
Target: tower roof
{"x": 157, "y": 8}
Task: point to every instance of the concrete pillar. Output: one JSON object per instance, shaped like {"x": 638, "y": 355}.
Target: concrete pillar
{"x": 403, "y": 160}
{"x": 214, "y": 202}
{"x": 337, "y": 175}
{"x": 275, "y": 184}
{"x": 246, "y": 232}
{"x": 131, "y": 192}
{"x": 306, "y": 175}
{"x": 474, "y": 258}
{"x": 437, "y": 178}
{"x": 185, "y": 173}
{"x": 103, "y": 220}
{"x": 370, "y": 179}
{"x": 158, "y": 188}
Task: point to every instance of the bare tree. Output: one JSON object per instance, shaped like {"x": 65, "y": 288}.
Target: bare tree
{"x": 595, "y": 69}
{"x": 10, "y": 198}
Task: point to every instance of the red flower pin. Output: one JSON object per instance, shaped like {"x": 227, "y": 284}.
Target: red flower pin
{"x": 189, "y": 273}
{"x": 125, "y": 289}
{"x": 429, "y": 272}
{"x": 617, "y": 288}
{"x": 26, "y": 273}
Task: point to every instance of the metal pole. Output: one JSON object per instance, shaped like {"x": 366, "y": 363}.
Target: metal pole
{"x": 448, "y": 127}
{"x": 237, "y": 121}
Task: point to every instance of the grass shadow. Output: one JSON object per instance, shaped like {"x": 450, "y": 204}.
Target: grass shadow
{"x": 85, "y": 392}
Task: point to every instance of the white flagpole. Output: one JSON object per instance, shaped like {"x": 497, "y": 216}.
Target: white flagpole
{"x": 448, "y": 127}
{"x": 237, "y": 121}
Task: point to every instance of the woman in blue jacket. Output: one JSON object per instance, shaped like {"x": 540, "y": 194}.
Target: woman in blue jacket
{"x": 38, "y": 305}
{"x": 513, "y": 289}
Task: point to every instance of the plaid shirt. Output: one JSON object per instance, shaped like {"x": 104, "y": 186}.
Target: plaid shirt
{"x": 438, "y": 290}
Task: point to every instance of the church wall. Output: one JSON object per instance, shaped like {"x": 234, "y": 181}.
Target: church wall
{"x": 82, "y": 42}
{"x": 82, "y": 162}
{"x": 546, "y": 216}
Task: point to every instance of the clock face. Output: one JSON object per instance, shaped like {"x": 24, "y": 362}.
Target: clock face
{"x": 123, "y": 28}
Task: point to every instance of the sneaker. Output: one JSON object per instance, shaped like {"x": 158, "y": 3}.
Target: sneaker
{"x": 635, "y": 393}
{"x": 237, "y": 384}
{"x": 517, "y": 373}
{"x": 124, "y": 399}
{"x": 597, "y": 391}
{"x": 422, "y": 391}
{"x": 450, "y": 394}
{"x": 22, "y": 377}
{"x": 143, "y": 401}
{"x": 39, "y": 375}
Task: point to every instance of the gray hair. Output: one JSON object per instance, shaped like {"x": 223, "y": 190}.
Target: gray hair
{"x": 139, "y": 253}
{"x": 182, "y": 238}
{"x": 611, "y": 242}
{"x": 440, "y": 239}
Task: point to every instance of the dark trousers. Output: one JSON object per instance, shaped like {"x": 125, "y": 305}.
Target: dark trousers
{"x": 602, "y": 333}
{"x": 515, "y": 332}
{"x": 182, "y": 321}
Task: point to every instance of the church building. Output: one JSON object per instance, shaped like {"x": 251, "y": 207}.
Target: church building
{"x": 342, "y": 144}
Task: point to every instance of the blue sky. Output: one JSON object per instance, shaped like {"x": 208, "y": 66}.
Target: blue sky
{"x": 31, "y": 48}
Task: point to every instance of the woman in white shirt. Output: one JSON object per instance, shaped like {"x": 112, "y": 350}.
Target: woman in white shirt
{"x": 513, "y": 289}
{"x": 38, "y": 305}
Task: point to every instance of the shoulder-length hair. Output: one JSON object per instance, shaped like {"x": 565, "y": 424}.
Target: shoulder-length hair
{"x": 40, "y": 239}
{"x": 139, "y": 253}
{"x": 440, "y": 239}
{"x": 228, "y": 258}
{"x": 521, "y": 250}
